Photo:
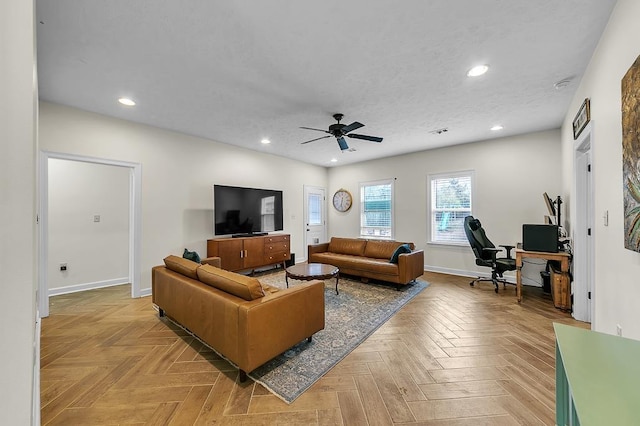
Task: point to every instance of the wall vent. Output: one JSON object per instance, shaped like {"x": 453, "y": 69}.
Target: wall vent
{"x": 439, "y": 131}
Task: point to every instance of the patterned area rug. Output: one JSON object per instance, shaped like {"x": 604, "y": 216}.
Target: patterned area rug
{"x": 350, "y": 317}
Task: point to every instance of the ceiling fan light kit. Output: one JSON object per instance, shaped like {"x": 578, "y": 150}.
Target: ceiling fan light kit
{"x": 339, "y": 131}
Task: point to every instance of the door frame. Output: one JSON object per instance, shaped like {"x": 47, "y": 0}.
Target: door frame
{"x": 305, "y": 208}
{"x": 583, "y": 218}
{"x": 135, "y": 218}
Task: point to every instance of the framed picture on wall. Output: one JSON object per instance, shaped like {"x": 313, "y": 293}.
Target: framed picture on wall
{"x": 582, "y": 118}
{"x": 630, "y": 91}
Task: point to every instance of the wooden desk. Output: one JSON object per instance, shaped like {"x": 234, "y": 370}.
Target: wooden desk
{"x": 597, "y": 378}
{"x": 562, "y": 257}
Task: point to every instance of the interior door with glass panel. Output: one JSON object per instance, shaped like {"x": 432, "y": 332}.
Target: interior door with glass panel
{"x": 315, "y": 212}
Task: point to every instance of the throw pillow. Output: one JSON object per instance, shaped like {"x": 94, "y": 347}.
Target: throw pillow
{"x": 247, "y": 288}
{"x": 191, "y": 255}
{"x": 404, "y": 248}
{"x": 182, "y": 266}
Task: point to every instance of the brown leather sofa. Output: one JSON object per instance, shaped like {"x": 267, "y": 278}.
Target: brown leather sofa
{"x": 243, "y": 320}
{"x": 369, "y": 259}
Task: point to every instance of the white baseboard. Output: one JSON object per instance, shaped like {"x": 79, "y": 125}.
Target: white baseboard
{"x": 463, "y": 273}
{"x": 145, "y": 292}
{"x": 88, "y": 286}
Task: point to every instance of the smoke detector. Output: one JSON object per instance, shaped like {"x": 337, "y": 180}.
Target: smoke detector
{"x": 560, "y": 85}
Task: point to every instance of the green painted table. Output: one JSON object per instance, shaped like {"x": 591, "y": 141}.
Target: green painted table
{"x": 597, "y": 378}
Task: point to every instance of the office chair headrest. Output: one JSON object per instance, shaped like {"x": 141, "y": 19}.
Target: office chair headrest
{"x": 474, "y": 224}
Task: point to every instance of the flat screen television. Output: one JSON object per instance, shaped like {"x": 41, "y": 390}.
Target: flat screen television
{"x": 242, "y": 211}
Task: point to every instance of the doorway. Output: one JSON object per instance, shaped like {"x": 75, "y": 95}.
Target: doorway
{"x": 134, "y": 218}
{"x": 315, "y": 213}
{"x": 583, "y": 233}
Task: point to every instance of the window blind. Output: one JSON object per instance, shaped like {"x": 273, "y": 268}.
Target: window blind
{"x": 450, "y": 204}
{"x": 376, "y": 207}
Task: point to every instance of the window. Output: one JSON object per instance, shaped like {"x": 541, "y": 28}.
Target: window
{"x": 450, "y": 202}
{"x": 376, "y": 209}
{"x": 315, "y": 209}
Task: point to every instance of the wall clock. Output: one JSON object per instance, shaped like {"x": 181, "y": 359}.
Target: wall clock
{"x": 342, "y": 200}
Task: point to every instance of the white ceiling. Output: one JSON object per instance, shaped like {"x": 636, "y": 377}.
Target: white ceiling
{"x": 240, "y": 71}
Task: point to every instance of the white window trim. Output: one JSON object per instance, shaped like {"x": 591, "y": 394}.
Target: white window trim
{"x": 391, "y": 182}
{"x": 430, "y": 178}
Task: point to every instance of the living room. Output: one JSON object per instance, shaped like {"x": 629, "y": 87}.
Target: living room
{"x": 523, "y": 166}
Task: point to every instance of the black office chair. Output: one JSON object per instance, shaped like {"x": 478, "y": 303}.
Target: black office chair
{"x": 486, "y": 253}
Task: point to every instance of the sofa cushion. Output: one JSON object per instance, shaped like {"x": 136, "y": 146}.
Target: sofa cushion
{"x": 247, "y": 288}
{"x": 186, "y": 267}
{"x": 380, "y": 249}
{"x": 350, "y": 246}
{"x": 191, "y": 255}
{"x": 403, "y": 248}
{"x": 346, "y": 262}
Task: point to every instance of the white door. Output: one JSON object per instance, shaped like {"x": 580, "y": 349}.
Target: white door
{"x": 315, "y": 213}
{"x": 583, "y": 229}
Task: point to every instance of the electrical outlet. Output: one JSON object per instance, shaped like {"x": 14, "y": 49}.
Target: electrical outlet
{"x": 63, "y": 267}
{"x": 619, "y": 330}
{"x": 96, "y": 218}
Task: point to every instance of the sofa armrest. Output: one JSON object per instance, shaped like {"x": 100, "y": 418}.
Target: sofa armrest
{"x": 411, "y": 266}
{"x": 316, "y": 248}
{"x": 213, "y": 261}
{"x": 272, "y": 324}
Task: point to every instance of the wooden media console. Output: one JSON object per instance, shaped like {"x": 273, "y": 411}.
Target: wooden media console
{"x": 237, "y": 254}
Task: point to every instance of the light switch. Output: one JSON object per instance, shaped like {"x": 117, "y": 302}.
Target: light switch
{"x": 606, "y": 218}
{"x": 96, "y": 218}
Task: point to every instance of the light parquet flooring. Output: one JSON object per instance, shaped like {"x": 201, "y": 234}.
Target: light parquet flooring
{"x": 454, "y": 355}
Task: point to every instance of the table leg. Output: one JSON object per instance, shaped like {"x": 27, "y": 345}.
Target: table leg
{"x": 518, "y": 276}
{"x": 286, "y": 279}
{"x": 519, "y": 283}
{"x": 563, "y": 397}
{"x": 337, "y": 278}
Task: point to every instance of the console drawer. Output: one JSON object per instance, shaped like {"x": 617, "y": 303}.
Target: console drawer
{"x": 275, "y": 239}
{"x": 276, "y": 247}
{"x": 277, "y": 257}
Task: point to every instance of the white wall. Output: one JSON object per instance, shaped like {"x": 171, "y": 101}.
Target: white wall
{"x": 18, "y": 112}
{"x": 96, "y": 253}
{"x": 178, "y": 174}
{"x": 617, "y": 290}
{"x": 511, "y": 174}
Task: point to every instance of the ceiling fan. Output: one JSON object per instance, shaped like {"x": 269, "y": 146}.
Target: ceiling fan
{"x": 339, "y": 131}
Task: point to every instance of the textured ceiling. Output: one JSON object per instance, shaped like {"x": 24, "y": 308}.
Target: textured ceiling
{"x": 240, "y": 71}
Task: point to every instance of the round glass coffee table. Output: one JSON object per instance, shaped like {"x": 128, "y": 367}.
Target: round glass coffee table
{"x": 312, "y": 271}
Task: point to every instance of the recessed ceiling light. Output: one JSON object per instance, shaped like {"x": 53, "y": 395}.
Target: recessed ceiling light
{"x": 477, "y": 70}
{"x": 265, "y": 141}
{"x": 334, "y": 160}
{"x": 497, "y": 127}
{"x": 126, "y": 101}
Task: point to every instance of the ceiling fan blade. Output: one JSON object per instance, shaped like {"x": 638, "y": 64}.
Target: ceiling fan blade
{"x": 365, "y": 137}
{"x": 316, "y": 139}
{"x": 351, "y": 127}
{"x": 311, "y": 128}
{"x": 342, "y": 143}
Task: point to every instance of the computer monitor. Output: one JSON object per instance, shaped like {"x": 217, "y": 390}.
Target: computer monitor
{"x": 540, "y": 238}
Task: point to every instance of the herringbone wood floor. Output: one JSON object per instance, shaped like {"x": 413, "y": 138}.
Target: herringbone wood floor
{"x": 455, "y": 355}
